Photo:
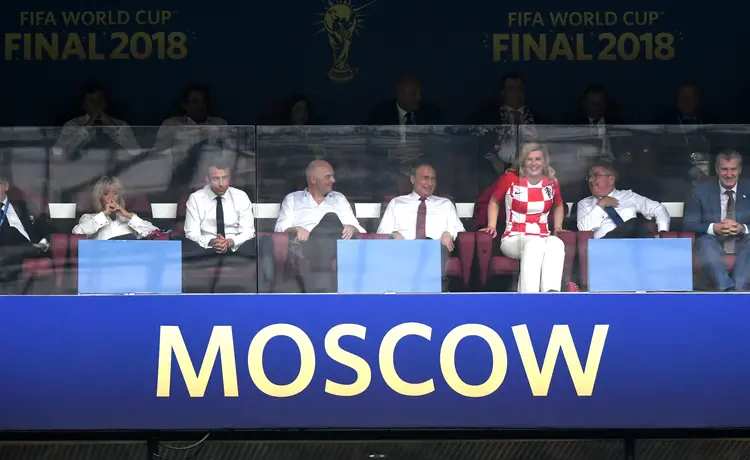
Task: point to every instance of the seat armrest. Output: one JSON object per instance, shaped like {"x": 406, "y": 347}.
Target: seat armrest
{"x": 570, "y": 241}
{"x": 583, "y": 258}
{"x": 59, "y": 243}
{"x": 466, "y": 244}
{"x": 484, "y": 254}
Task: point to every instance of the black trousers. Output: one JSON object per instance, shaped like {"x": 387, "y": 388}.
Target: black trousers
{"x": 14, "y": 249}
{"x": 257, "y": 250}
{"x": 636, "y": 227}
{"x": 318, "y": 253}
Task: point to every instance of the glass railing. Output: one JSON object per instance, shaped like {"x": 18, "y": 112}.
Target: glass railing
{"x": 55, "y": 172}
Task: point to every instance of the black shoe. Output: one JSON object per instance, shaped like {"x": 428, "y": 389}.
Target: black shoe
{"x": 730, "y": 289}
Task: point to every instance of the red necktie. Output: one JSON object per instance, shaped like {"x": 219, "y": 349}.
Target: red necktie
{"x": 421, "y": 218}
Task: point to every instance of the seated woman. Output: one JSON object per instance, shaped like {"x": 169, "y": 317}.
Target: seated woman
{"x": 530, "y": 191}
{"x": 112, "y": 221}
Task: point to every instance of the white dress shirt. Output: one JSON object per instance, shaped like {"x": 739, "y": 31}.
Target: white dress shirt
{"x": 200, "y": 220}
{"x": 101, "y": 227}
{"x": 401, "y": 216}
{"x": 593, "y": 218}
{"x": 299, "y": 209}
{"x": 401, "y": 115}
{"x": 15, "y": 222}
{"x": 75, "y": 134}
{"x": 177, "y": 135}
{"x": 724, "y": 201}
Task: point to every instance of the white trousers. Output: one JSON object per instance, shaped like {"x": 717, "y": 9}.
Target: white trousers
{"x": 542, "y": 261}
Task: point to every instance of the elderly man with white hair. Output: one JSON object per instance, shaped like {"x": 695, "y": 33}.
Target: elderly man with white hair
{"x": 24, "y": 234}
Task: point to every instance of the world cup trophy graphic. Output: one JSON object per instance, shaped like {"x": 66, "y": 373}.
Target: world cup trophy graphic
{"x": 341, "y": 21}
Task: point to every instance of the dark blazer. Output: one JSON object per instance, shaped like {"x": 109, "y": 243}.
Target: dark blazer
{"x": 386, "y": 113}
{"x": 704, "y": 207}
{"x": 36, "y": 225}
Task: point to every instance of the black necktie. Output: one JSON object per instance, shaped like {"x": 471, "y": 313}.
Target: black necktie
{"x": 409, "y": 117}
{"x": 729, "y": 243}
{"x": 219, "y": 217}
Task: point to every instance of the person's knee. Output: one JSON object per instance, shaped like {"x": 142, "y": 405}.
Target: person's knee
{"x": 555, "y": 245}
{"x": 706, "y": 244}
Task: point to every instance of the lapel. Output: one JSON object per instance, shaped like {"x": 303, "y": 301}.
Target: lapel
{"x": 715, "y": 199}
{"x": 22, "y": 212}
{"x": 741, "y": 202}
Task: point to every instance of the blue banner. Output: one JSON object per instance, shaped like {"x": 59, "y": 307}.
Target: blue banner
{"x": 374, "y": 361}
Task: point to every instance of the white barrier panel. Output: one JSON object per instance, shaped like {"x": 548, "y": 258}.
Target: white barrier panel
{"x": 362, "y": 210}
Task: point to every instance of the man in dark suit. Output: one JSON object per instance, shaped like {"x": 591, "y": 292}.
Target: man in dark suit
{"x": 24, "y": 234}
{"x": 407, "y": 108}
{"x": 719, "y": 213}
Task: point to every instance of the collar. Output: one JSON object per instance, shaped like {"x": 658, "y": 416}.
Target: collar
{"x": 310, "y": 195}
{"x": 401, "y": 112}
{"x": 521, "y": 109}
{"x": 600, "y": 122}
{"x": 734, "y": 189}
{"x": 5, "y": 201}
{"x": 213, "y": 195}
{"x": 414, "y": 195}
{"x": 189, "y": 121}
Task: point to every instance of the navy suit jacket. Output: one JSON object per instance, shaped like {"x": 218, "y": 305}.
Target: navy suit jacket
{"x": 704, "y": 207}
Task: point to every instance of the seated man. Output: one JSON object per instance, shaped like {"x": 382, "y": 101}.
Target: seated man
{"x": 23, "y": 235}
{"x": 317, "y": 217}
{"x": 112, "y": 220}
{"x": 422, "y": 215}
{"x": 718, "y": 213}
{"x": 95, "y": 128}
{"x": 612, "y": 213}
{"x": 219, "y": 224}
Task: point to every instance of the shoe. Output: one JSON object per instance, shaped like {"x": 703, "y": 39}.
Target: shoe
{"x": 572, "y": 287}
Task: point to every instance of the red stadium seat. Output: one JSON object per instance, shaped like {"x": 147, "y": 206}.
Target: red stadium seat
{"x": 729, "y": 260}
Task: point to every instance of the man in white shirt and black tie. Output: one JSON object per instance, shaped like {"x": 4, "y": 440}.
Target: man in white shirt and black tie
{"x": 612, "y": 213}
{"x": 317, "y": 218}
{"x": 24, "y": 234}
{"x": 219, "y": 224}
{"x": 422, "y": 215}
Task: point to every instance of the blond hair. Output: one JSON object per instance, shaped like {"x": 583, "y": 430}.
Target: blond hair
{"x": 526, "y": 150}
{"x": 102, "y": 187}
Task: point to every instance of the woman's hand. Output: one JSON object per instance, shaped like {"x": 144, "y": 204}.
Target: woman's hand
{"x": 492, "y": 231}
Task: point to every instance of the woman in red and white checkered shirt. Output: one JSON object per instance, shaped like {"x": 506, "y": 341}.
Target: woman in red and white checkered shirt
{"x": 529, "y": 196}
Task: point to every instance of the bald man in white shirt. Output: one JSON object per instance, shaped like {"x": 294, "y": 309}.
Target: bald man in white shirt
{"x": 317, "y": 218}
{"x": 613, "y": 213}
{"x": 219, "y": 224}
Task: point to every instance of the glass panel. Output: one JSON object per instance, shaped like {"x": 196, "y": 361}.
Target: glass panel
{"x": 75, "y": 186}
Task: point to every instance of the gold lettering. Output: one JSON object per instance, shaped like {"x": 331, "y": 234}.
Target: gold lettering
{"x": 561, "y": 47}
{"x": 71, "y": 18}
{"x": 11, "y": 45}
{"x": 307, "y": 360}
{"x": 94, "y": 55}
{"x": 73, "y": 47}
{"x": 220, "y": 344}
{"x": 499, "y": 45}
{"x": 448, "y": 360}
{"x": 348, "y": 359}
{"x": 581, "y": 54}
{"x": 561, "y": 339}
{"x": 44, "y": 48}
{"x": 388, "y": 367}
{"x": 531, "y": 46}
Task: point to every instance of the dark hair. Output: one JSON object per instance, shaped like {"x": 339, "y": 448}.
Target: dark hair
{"x": 193, "y": 88}
{"x": 510, "y": 76}
{"x": 218, "y": 162}
{"x": 596, "y": 88}
{"x": 90, "y": 88}
{"x": 405, "y": 79}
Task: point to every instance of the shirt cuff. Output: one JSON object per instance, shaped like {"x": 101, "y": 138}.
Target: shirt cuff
{"x": 100, "y": 220}
{"x": 44, "y": 243}
{"x": 746, "y": 230}
{"x": 135, "y": 221}
{"x": 710, "y": 230}
{"x": 663, "y": 227}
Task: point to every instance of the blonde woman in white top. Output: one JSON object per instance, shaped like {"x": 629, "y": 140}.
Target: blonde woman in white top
{"x": 112, "y": 219}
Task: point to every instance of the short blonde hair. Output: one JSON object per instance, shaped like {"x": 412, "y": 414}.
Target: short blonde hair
{"x": 102, "y": 186}
{"x": 526, "y": 150}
